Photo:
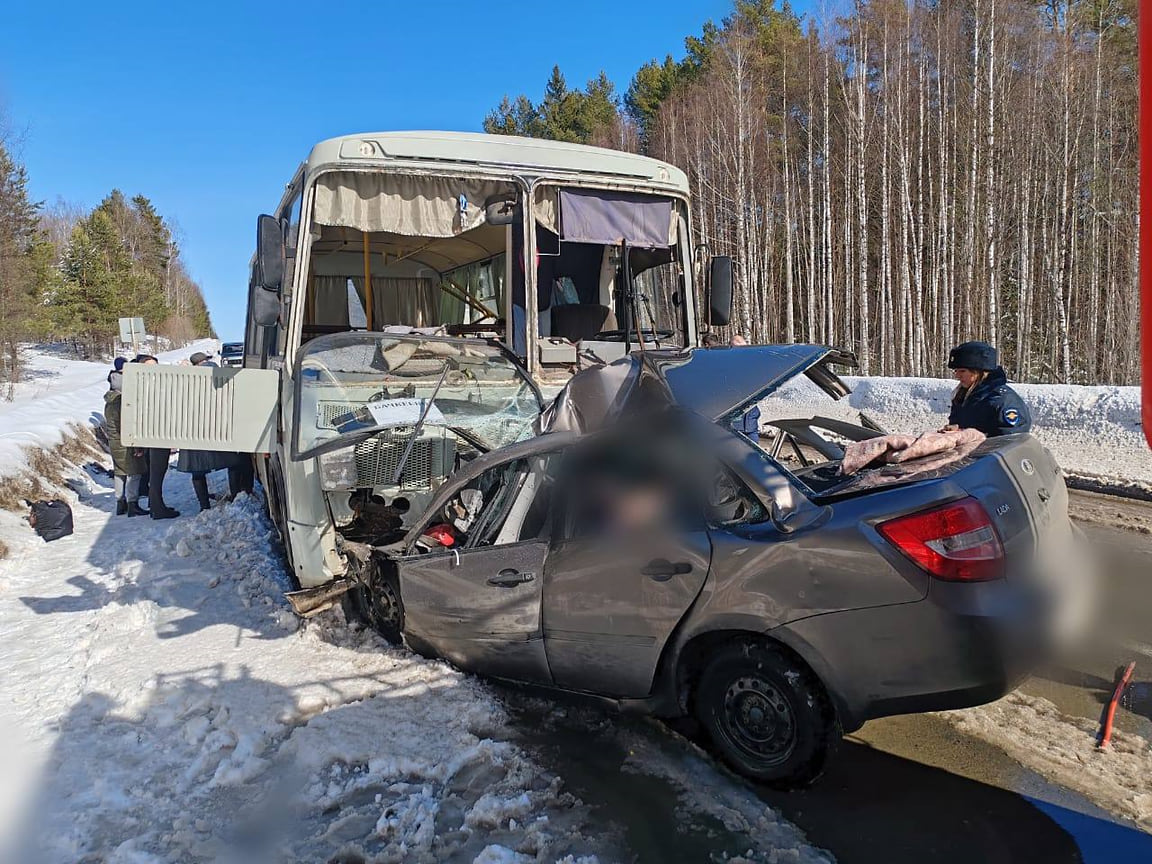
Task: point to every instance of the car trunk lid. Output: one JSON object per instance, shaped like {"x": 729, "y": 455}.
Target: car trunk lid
{"x": 1020, "y": 485}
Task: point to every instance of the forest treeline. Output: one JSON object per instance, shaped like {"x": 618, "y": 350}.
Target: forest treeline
{"x": 902, "y": 177}
{"x": 69, "y": 275}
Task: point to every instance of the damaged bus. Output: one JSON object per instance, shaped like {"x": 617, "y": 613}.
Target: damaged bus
{"x": 516, "y": 261}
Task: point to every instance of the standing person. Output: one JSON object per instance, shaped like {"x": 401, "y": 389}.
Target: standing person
{"x": 982, "y": 399}
{"x": 157, "y": 466}
{"x": 201, "y": 463}
{"x": 241, "y": 475}
{"x": 128, "y": 463}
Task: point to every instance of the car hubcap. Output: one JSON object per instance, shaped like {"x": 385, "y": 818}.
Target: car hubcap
{"x": 759, "y": 719}
{"x": 385, "y": 609}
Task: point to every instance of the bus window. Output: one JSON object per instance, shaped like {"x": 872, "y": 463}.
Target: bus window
{"x": 422, "y": 256}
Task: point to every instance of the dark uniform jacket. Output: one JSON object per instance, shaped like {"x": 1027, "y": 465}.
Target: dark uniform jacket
{"x": 992, "y": 407}
{"x": 126, "y": 461}
{"x": 749, "y": 423}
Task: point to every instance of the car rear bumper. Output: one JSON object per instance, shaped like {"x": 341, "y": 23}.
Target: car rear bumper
{"x": 963, "y": 645}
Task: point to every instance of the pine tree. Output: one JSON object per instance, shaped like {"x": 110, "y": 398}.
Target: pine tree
{"x": 583, "y": 116}
{"x": 653, "y": 83}
{"x": 19, "y": 234}
{"x": 96, "y": 268}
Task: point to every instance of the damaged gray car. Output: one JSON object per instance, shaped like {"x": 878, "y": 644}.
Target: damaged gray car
{"x": 626, "y": 543}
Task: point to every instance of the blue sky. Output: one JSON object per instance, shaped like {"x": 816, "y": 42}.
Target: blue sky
{"x": 208, "y": 107}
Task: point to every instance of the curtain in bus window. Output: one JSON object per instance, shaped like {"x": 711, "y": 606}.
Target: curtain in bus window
{"x": 610, "y": 218}
{"x": 404, "y": 301}
{"x": 403, "y": 204}
{"x": 544, "y": 207}
{"x": 329, "y": 300}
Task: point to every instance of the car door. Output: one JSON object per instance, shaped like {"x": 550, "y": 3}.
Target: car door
{"x": 630, "y": 557}
{"x": 478, "y": 602}
{"x": 479, "y": 608}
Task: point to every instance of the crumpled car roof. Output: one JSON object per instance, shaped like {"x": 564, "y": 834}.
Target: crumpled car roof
{"x": 717, "y": 383}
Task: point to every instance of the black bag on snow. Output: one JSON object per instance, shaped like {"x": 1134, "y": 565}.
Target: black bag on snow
{"x": 51, "y": 519}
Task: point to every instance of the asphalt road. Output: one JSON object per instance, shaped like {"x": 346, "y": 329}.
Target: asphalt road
{"x": 902, "y": 789}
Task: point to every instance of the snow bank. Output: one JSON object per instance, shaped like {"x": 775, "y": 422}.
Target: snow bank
{"x": 55, "y": 392}
{"x": 1063, "y": 749}
{"x": 1093, "y": 431}
{"x": 171, "y": 708}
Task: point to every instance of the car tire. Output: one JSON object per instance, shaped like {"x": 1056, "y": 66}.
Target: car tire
{"x": 379, "y": 606}
{"x": 766, "y": 713}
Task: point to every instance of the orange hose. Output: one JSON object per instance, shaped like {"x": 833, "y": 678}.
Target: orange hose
{"x": 1106, "y": 734}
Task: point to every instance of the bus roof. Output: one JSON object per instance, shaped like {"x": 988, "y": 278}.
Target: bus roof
{"x": 525, "y": 155}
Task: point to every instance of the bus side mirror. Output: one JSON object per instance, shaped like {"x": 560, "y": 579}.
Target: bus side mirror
{"x": 265, "y": 305}
{"x": 719, "y": 291}
{"x": 269, "y": 253}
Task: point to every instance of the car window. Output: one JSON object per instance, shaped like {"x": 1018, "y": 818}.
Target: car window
{"x": 730, "y": 502}
{"x": 509, "y": 503}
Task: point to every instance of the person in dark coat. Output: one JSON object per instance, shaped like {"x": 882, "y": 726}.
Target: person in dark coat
{"x": 128, "y": 463}
{"x": 983, "y": 400}
{"x": 157, "y": 467}
{"x": 201, "y": 463}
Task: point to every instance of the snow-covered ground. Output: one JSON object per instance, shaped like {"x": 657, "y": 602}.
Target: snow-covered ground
{"x": 168, "y": 706}
{"x": 56, "y": 391}
{"x": 1093, "y": 431}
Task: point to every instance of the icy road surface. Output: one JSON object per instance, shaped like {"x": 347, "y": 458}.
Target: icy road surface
{"x": 160, "y": 703}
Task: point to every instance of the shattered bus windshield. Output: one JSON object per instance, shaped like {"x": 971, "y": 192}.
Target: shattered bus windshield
{"x": 353, "y": 386}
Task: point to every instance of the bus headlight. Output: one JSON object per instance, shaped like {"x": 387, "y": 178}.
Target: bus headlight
{"x": 338, "y": 468}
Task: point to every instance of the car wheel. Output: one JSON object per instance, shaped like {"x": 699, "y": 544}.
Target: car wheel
{"x": 766, "y": 714}
{"x": 380, "y": 607}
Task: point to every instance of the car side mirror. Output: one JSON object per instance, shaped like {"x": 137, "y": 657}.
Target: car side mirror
{"x": 720, "y": 291}
{"x": 269, "y": 253}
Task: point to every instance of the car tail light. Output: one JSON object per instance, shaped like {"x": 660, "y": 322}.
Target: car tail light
{"x": 956, "y": 542}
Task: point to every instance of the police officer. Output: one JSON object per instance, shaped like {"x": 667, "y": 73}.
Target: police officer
{"x": 983, "y": 400}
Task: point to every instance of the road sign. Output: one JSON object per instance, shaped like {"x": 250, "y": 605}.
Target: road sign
{"x": 131, "y": 330}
